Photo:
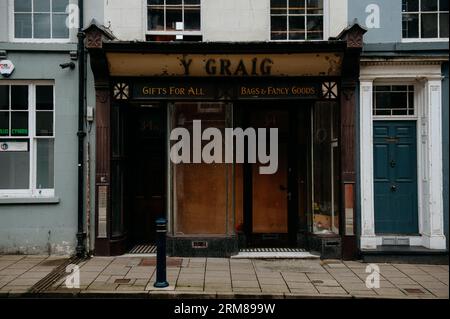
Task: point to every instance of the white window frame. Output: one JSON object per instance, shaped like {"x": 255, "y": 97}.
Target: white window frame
{"x": 12, "y": 35}
{"x": 171, "y": 32}
{"x": 398, "y": 117}
{"x": 32, "y": 191}
{"x": 326, "y": 24}
{"x": 420, "y": 39}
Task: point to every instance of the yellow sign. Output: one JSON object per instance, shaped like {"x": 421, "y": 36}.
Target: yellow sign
{"x": 224, "y": 65}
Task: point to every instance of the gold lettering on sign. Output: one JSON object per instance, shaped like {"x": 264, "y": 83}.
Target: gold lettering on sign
{"x": 278, "y": 91}
{"x": 173, "y": 91}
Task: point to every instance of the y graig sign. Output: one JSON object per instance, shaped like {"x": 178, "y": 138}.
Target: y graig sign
{"x": 224, "y": 65}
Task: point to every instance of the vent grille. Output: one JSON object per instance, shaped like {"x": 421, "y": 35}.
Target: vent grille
{"x": 143, "y": 249}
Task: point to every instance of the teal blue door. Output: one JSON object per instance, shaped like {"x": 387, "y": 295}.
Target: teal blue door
{"x": 395, "y": 177}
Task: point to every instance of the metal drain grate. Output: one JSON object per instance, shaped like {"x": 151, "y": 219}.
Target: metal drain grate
{"x": 272, "y": 250}
{"x": 57, "y": 274}
{"x": 143, "y": 249}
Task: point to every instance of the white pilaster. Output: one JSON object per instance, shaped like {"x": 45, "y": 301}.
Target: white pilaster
{"x": 368, "y": 239}
{"x": 433, "y": 231}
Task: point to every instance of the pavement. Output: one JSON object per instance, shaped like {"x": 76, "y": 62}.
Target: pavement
{"x": 221, "y": 278}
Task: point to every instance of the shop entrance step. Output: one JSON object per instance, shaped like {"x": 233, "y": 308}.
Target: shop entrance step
{"x": 275, "y": 253}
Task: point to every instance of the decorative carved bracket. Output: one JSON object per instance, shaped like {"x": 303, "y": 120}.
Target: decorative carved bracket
{"x": 96, "y": 34}
{"x": 353, "y": 35}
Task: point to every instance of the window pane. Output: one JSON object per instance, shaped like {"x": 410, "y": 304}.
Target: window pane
{"x": 22, "y": 5}
{"x": 42, "y": 26}
{"x": 44, "y": 123}
{"x": 45, "y": 164}
{"x": 173, "y": 15}
{"x": 14, "y": 170}
{"x": 153, "y": 2}
{"x": 19, "y": 123}
{"x": 296, "y": 28}
{"x": 4, "y": 123}
{"x": 315, "y": 27}
{"x": 22, "y": 25}
{"x": 296, "y": 6}
{"x": 41, "y": 5}
{"x": 429, "y": 5}
{"x": 4, "y": 97}
{"x": 279, "y": 27}
{"x": 443, "y": 25}
{"x": 278, "y": 6}
{"x": 429, "y": 25}
{"x": 194, "y": 2}
{"x": 173, "y": 2}
{"x": 443, "y": 5}
{"x": 410, "y": 5}
{"x": 192, "y": 18}
{"x": 19, "y": 97}
{"x": 325, "y": 212}
{"x": 410, "y": 26}
{"x": 315, "y": 6}
{"x": 156, "y": 18}
{"x": 44, "y": 97}
{"x": 59, "y": 28}
{"x": 59, "y": 5}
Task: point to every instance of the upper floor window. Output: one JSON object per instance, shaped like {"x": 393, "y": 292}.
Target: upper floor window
{"x": 171, "y": 18}
{"x": 296, "y": 19}
{"x": 425, "y": 19}
{"x": 40, "y": 19}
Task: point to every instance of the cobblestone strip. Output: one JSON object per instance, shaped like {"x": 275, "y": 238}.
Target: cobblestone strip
{"x": 256, "y": 274}
{"x": 54, "y": 276}
{"x": 204, "y": 274}
{"x": 285, "y": 282}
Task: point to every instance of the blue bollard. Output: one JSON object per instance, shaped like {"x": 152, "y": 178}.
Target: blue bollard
{"x": 161, "y": 230}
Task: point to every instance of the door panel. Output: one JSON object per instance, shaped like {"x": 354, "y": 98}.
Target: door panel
{"x": 395, "y": 177}
{"x": 269, "y": 198}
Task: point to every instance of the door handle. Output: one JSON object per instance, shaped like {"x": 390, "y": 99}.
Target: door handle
{"x": 393, "y": 188}
{"x": 289, "y": 196}
{"x": 393, "y": 163}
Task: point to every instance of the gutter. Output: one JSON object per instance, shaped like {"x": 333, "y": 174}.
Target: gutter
{"x": 81, "y": 234}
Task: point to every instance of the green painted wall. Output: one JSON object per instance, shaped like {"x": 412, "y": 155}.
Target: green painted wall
{"x": 42, "y": 228}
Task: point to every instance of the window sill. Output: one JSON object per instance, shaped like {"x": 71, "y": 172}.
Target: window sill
{"x": 29, "y": 200}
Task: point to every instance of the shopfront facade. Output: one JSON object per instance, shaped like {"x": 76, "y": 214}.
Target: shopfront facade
{"x": 218, "y": 205}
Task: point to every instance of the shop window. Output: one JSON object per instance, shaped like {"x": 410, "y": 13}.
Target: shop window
{"x": 169, "y": 20}
{"x": 391, "y": 100}
{"x": 296, "y": 19}
{"x": 26, "y": 140}
{"x": 425, "y": 19}
{"x": 325, "y": 207}
{"x": 40, "y": 19}
{"x": 201, "y": 191}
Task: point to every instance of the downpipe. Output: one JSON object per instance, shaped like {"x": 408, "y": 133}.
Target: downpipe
{"x": 81, "y": 234}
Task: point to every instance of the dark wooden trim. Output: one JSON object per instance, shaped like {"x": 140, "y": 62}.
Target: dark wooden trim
{"x": 348, "y": 164}
{"x": 226, "y": 47}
